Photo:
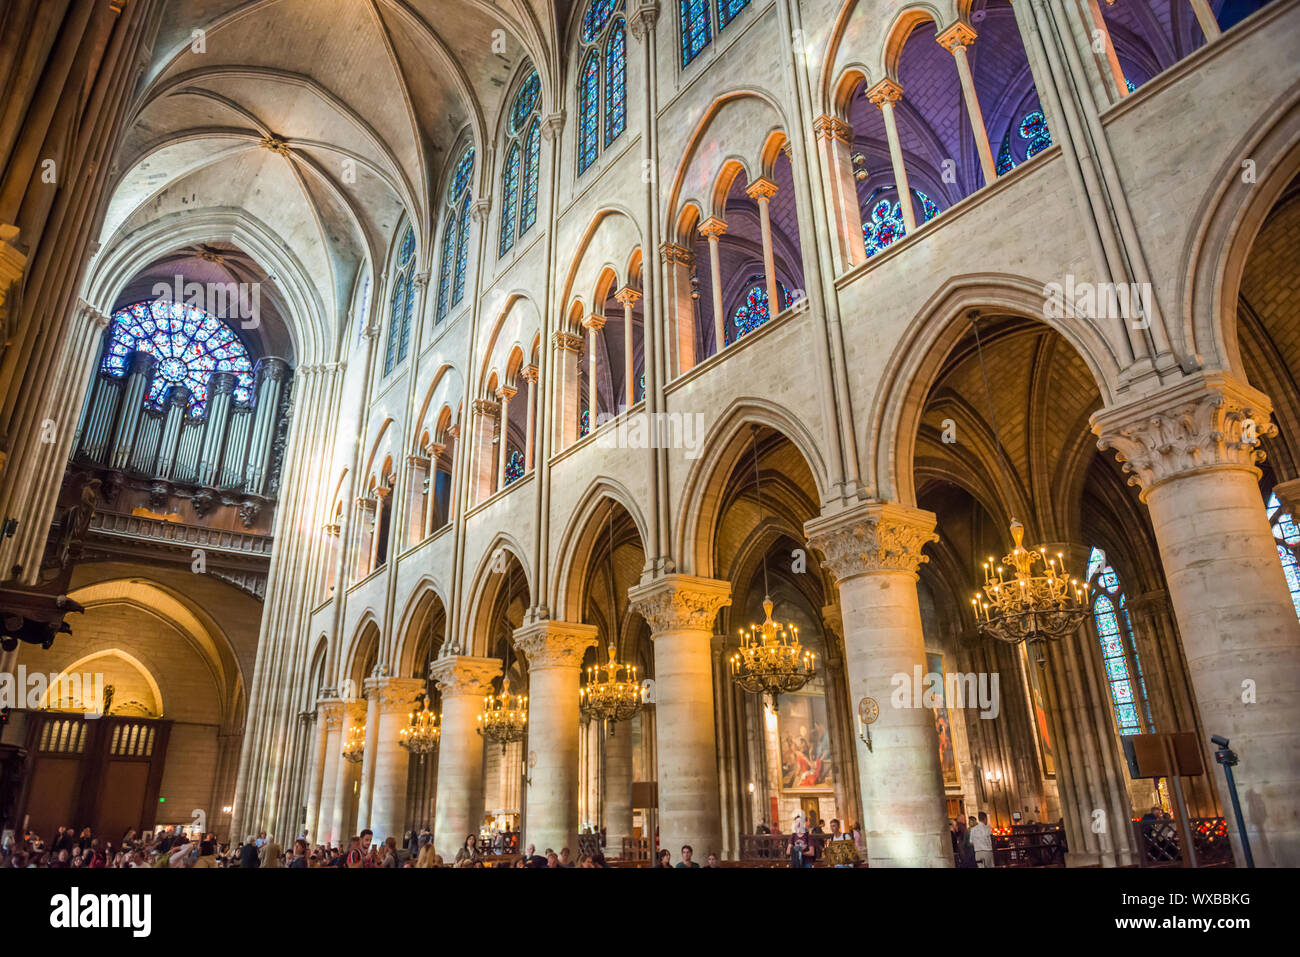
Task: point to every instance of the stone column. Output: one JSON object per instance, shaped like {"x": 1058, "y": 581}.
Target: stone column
{"x": 884, "y": 95}
{"x": 463, "y": 682}
{"x": 628, "y": 297}
{"x": 680, "y": 610}
{"x": 618, "y": 788}
{"x": 955, "y": 40}
{"x": 679, "y": 308}
{"x": 435, "y": 451}
{"x": 368, "y": 759}
{"x": 504, "y": 395}
{"x": 761, "y": 191}
{"x": 322, "y": 828}
{"x": 453, "y": 432}
{"x": 568, "y": 347}
{"x": 874, "y": 550}
{"x": 485, "y": 415}
{"x": 1192, "y": 449}
{"x": 393, "y": 698}
{"x": 1205, "y": 17}
{"x": 835, "y": 144}
{"x": 714, "y": 228}
{"x": 341, "y": 819}
{"x": 530, "y": 376}
{"x": 594, "y": 324}
{"x": 554, "y": 650}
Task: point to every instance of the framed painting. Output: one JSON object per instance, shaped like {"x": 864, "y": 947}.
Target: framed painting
{"x": 943, "y": 726}
{"x": 803, "y": 733}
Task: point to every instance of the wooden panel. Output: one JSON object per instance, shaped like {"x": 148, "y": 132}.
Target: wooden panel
{"x": 122, "y": 793}
{"x": 51, "y": 800}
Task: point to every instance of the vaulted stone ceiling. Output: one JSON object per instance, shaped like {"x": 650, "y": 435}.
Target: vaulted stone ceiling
{"x": 321, "y": 120}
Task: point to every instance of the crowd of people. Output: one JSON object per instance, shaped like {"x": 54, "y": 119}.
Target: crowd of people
{"x": 972, "y": 841}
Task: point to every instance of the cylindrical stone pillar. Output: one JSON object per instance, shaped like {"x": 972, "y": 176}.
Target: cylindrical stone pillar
{"x": 463, "y": 682}
{"x": 394, "y": 698}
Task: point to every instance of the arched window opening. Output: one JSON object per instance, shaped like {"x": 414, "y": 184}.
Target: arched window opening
{"x": 884, "y": 223}
{"x": 1287, "y": 534}
{"x": 1128, "y": 690}
{"x": 188, "y": 346}
{"x": 755, "y": 309}
{"x": 1150, "y": 36}
{"x": 455, "y": 237}
{"x": 523, "y": 164}
{"x": 602, "y": 81}
{"x": 514, "y": 466}
{"x": 402, "y": 304}
{"x": 700, "y": 20}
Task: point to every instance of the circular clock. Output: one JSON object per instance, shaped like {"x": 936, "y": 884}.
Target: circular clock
{"x": 868, "y": 710}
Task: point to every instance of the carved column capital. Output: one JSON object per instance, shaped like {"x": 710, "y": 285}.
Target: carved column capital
{"x": 872, "y": 537}
{"x": 552, "y": 125}
{"x": 485, "y": 407}
{"x": 567, "y": 342}
{"x": 627, "y": 296}
{"x": 395, "y": 695}
{"x": 762, "y": 188}
{"x": 672, "y": 253}
{"x": 831, "y": 128}
{"x": 478, "y": 210}
{"x": 957, "y": 35}
{"x": 680, "y": 602}
{"x": 1210, "y": 421}
{"x": 713, "y": 226}
{"x": 555, "y": 644}
{"x": 529, "y": 373}
{"x": 594, "y": 323}
{"x": 643, "y": 18}
{"x": 886, "y": 91}
{"x": 506, "y": 392}
{"x": 1288, "y": 493}
{"x": 459, "y": 675}
{"x": 331, "y": 711}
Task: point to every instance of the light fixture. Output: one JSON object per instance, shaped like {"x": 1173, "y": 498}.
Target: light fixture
{"x": 612, "y": 691}
{"x": 355, "y": 748}
{"x": 422, "y": 733}
{"x": 770, "y": 659}
{"x": 504, "y": 718}
{"x": 1035, "y": 605}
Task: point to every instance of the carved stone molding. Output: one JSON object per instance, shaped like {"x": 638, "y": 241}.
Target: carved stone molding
{"x": 530, "y": 373}
{"x": 957, "y": 35}
{"x": 872, "y": 537}
{"x": 680, "y": 602}
{"x": 594, "y": 323}
{"x": 355, "y": 711}
{"x": 555, "y": 644}
{"x": 478, "y": 210}
{"x": 886, "y": 91}
{"x": 713, "y": 226}
{"x": 394, "y": 694}
{"x": 485, "y": 407}
{"x": 462, "y": 675}
{"x": 762, "y": 188}
{"x": 1207, "y": 422}
{"x": 627, "y": 296}
{"x": 672, "y": 253}
{"x": 642, "y": 18}
{"x": 568, "y": 342}
{"x": 831, "y": 128}
{"x": 331, "y": 710}
{"x": 552, "y": 126}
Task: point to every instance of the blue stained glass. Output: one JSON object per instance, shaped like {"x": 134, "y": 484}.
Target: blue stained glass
{"x": 444, "y": 274}
{"x": 510, "y": 194}
{"x": 615, "y": 83}
{"x": 1034, "y": 129}
{"x": 585, "y": 423}
{"x": 1122, "y": 690}
{"x": 514, "y": 466}
{"x": 1127, "y": 717}
{"x": 532, "y": 171}
{"x": 1110, "y": 647}
{"x": 696, "y": 28}
{"x": 525, "y": 102}
{"x": 462, "y": 255}
{"x": 640, "y": 383}
{"x": 1287, "y": 533}
{"x": 1126, "y": 697}
{"x": 727, "y": 10}
{"x": 1129, "y": 83}
{"x": 408, "y": 248}
{"x": 885, "y": 223}
{"x": 754, "y": 311}
{"x": 588, "y": 113}
{"x": 460, "y": 180}
{"x": 1005, "y": 162}
{"x": 597, "y": 16}
{"x": 169, "y": 331}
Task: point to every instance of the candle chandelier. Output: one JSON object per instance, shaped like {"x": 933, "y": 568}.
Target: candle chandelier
{"x": 422, "y": 733}
{"x": 504, "y": 718}
{"x": 355, "y": 747}
{"x": 1030, "y": 597}
{"x": 611, "y": 691}
{"x": 770, "y": 659}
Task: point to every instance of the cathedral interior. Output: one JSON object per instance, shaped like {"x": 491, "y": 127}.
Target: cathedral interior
{"x": 600, "y": 424}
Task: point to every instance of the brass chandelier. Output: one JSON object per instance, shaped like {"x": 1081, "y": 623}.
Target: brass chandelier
{"x": 422, "y": 733}
{"x": 355, "y": 747}
{"x": 504, "y": 718}
{"x": 1039, "y": 602}
{"x": 611, "y": 691}
{"x": 770, "y": 659}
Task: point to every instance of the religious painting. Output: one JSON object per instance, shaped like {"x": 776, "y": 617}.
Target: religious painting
{"x": 1038, "y": 709}
{"x": 803, "y": 732}
{"x": 943, "y": 725}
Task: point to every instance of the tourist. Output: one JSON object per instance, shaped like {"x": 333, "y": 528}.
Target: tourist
{"x": 841, "y": 851}
{"x": 687, "y": 853}
{"x": 665, "y": 858}
{"x": 799, "y": 848}
{"x": 981, "y": 839}
{"x": 390, "y": 858}
{"x": 711, "y": 860}
{"x": 963, "y": 851}
{"x": 207, "y": 852}
{"x": 566, "y": 857}
{"x": 469, "y": 851}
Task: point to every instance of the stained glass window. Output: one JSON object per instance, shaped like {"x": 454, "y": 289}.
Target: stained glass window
{"x": 403, "y": 304}
{"x": 727, "y": 10}
{"x": 1033, "y": 130}
{"x": 1005, "y": 161}
{"x": 1287, "y": 534}
{"x": 532, "y": 171}
{"x": 697, "y": 29}
{"x": 588, "y": 113}
{"x": 753, "y": 311}
{"x": 640, "y": 387}
{"x": 1119, "y": 654}
{"x": 455, "y": 239}
{"x": 510, "y": 199}
{"x": 585, "y": 423}
{"x": 514, "y": 466}
{"x": 884, "y": 223}
{"x": 188, "y": 345}
{"x": 522, "y": 167}
{"x": 597, "y": 16}
{"x": 615, "y": 83}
